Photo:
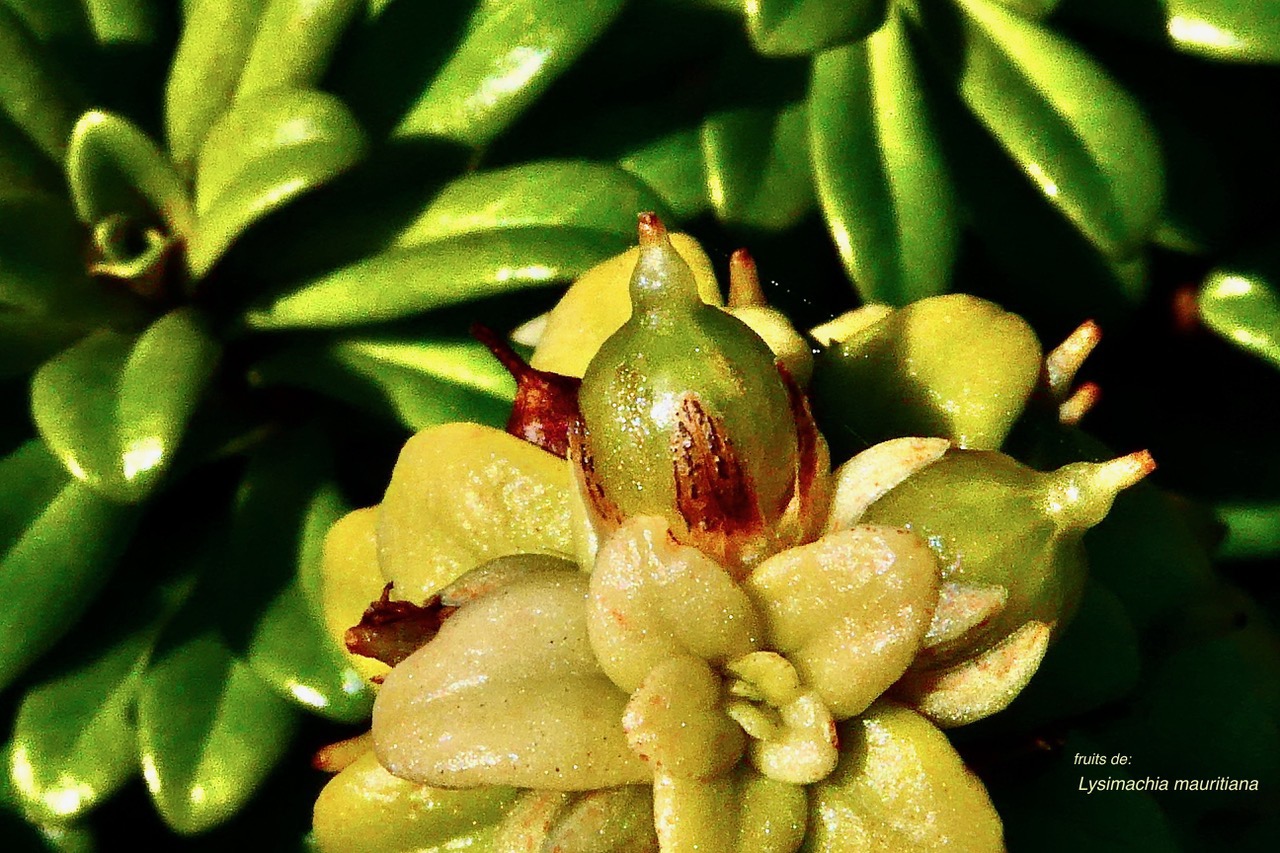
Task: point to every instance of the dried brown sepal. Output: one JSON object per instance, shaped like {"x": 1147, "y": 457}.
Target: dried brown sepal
{"x": 390, "y": 631}
{"x": 714, "y": 494}
{"x": 546, "y": 403}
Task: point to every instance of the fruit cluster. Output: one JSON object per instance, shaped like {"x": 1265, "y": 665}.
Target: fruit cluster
{"x": 651, "y": 616}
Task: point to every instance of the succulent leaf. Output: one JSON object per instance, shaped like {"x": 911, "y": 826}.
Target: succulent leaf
{"x": 114, "y": 408}
{"x": 787, "y": 27}
{"x": 511, "y": 52}
{"x": 113, "y": 168}
{"x": 1077, "y": 135}
{"x": 35, "y": 91}
{"x": 214, "y": 45}
{"x": 300, "y": 140}
{"x": 402, "y": 282}
{"x": 561, "y": 193}
{"x": 209, "y": 730}
{"x": 292, "y": 44}
{"x": 1240, "y": 302}
{"x": 757, "y": 166}
{"x": 58, "y": 543}
{"x": 418, "y": 381}
{"x": 881, "y": 179}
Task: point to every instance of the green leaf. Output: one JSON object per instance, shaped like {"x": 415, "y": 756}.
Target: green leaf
{"x": 1032, "y": 8}
{"x": 512, "y": 50}
{"x": 1225, "y": 29}
{"x": 790, "y": 27}
{"x": 1253, "y": 530}
{"x": 209, "y": 731}
{"x": 1241, "y": 302}
{"x": 34, "y": 90}
{"x": 42, "y": 271}
{"x": 419, "y": 382}
{"x": 673, "y": 166}
{"x": 27, "y": 340}
{"x": 115, "y": 169}
{"x": 75, "y": 732}
{"x": 53, "y": 20}
{"x": 757, "y": 166}
{"x": 114, "y": 407}
{"x": 259, "y": 157}
{"x": 406, "y": 281}
{"x": 882, "y": 182}
{"x": 293, "y": 43}
{"x": 1078, "y": 137}
{"x": 216, "y": 39}
{"x": 553, "y": 193}
{"x": 23, "y": 166}
{"x": 261, "y": 126}
{"x": 125, "y": 22}
{"x": 290, "y": 648}
{"x": 58, "y": 542}
{"x": 74, "y": 735}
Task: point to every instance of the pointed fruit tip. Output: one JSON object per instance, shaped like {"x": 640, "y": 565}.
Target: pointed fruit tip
{"x": 744, "y": 281}
{"x": 1064, "y": 361}
{"x": 1126, "y": 471}
{"x": 1073, "y": 409}
{"x": 652, "y": 231}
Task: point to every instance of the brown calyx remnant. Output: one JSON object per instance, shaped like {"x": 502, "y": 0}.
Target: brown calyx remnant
{"x": 390, "y": 631}
{"x": 605, "y": 510}
{"x": 714, "y": 495}
{"x": 546, "y": 404}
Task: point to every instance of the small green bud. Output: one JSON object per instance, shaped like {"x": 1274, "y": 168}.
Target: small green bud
{"x": 684, "y": 406}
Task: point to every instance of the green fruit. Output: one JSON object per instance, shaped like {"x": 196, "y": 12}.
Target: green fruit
{"x": 678, "y": 374}
{"x": 993, "y": 522}
{"x": 952, "y": 366}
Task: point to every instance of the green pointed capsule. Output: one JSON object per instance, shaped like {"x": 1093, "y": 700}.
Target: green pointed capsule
{"x": 996, "y": 524}
{"x": 684, "y": 380}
